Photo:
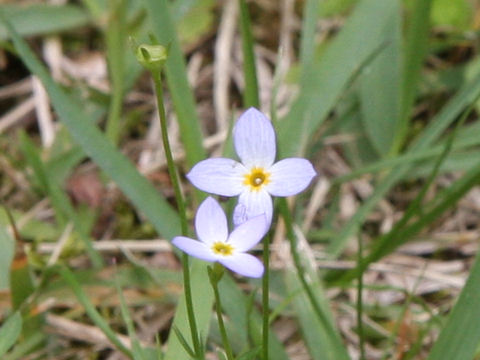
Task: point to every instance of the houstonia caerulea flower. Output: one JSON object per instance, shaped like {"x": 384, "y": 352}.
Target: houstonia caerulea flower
{"x": 217, "y": 245}
{"x": 256, "y": 178}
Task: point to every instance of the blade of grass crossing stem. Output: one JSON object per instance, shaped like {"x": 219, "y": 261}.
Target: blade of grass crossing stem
{"x": 64, "y": 210}
{"x": 10, "y": 331}
{"x": 323, "y": 83}
{"x": 95, "y": 145}
{"x": 92, "y": 312}
{"x": 115, "y": 38}
{"x": 449, "y": 197}
{"x": 313, "y": 331}
{"x": 319, "y": 305}
{"x": 460, "y": 337}
{"x": 175, "y": 69}
{"x": 235, "y": 305}
{"x": 412, "y": 159}
{"x": 416, "y": 45}
{"x": 137, "y": 350}
{"x": 430, "y": 134}
{"x": 250, "y": 96}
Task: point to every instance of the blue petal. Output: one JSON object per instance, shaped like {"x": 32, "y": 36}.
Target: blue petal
{"x": 290, "y": 176}
{"x": 248, "y": 234}
{"x": 251, "y": 204}
{"x": 243, "y": 264}
{"x": 218, "y": 176}
{"x": 254, "y": 139}
{"x": 194, "y": 248}
{"x": 211, "y": 222}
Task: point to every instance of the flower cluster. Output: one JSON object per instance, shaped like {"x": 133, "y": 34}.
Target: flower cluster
{"x": 255, "y": 179}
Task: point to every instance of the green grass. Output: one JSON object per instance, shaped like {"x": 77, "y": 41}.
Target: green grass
{"x": 379, "y": 100}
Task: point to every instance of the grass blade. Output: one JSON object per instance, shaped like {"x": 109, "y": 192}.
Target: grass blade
{"x": 460, "y": 337}
{"x": 415, "y": 51}
{"x": 39, "y": 19}
{"x": 115, "y": 39}
{"x": 250, "y": 96}
{"x": 92, "y": 311}
{"x": 10, "y": 331}
{"x": 379, "y": 89}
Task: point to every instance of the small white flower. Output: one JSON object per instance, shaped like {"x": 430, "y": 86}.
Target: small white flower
{"x": 216, "y": 245}
{"x": 256, "y": 178}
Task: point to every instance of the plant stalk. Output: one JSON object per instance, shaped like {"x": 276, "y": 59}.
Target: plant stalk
{"x": 157, "y": 79}
{"x": 265, "y": 297}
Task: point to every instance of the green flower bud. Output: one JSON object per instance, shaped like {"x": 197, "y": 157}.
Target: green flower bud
{"x": 152, "y": 57}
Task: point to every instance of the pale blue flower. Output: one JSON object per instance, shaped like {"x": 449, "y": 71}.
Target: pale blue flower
{"x": 217, "y": 245}
{"x": 256, "y": 178}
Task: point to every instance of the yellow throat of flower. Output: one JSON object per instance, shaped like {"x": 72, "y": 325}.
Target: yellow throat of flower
{"x": 220, "y": 248}
{"x": 256, "y": 178}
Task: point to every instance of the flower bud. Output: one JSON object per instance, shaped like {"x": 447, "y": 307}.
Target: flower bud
{"x": 152, "y": 57}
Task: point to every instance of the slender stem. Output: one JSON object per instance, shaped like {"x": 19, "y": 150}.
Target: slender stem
{"x": 361, "y": 335}
{"x": 221, "y": 325}
{"x": 157, "y": 79}
{"x": 265, "y": 296}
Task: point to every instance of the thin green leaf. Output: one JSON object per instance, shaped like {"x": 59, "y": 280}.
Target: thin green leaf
{"x": 379, "y": 89}
{"x": 184, "y": 342}
{"x": 10, "y": 331}
{"x": 115, "y": 38}
{"x": 92, "y": 311}
{"x": 415, "y": 50}
{"x": 461, "y": 335}
{"x": 322, "y": 325}
{"x": 40, "y": 19}
{"x": 7, "y": 244}
{"x": 137, "y": 350}
{"x": 64, "y": 210}
{"x": 309, "y": 29}
{"x": 22, "y": 349}
{"x": 250, "y": 96}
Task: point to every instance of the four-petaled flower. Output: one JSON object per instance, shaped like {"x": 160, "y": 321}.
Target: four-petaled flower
{"x": 256, "y": 177}
{"x": 217, "y": 245}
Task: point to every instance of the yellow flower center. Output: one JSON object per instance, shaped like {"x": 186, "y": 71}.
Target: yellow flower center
{"x": 256, "y": 178}
{"x": 220, "y": 248}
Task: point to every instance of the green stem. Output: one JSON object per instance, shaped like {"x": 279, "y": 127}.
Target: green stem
{"x": 265, "y": 296}
{"x": 361, "y": 335}
{"x": 330, "y": 330}
{"x": 218, "y": 307}
{"x": 157, "y": 79}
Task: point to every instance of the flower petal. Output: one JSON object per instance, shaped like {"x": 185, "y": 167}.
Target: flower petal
{"x": 218, "y": 176}
{"x": 290, "y": 176}
{"x": 194, "y": 248}
{"x": 254, "y": 139}
{"x": 211, "y": 222}
{"x": 243, "y": 264}
{"x": 248, "y": 234}
{"x": 251, "y": 204}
